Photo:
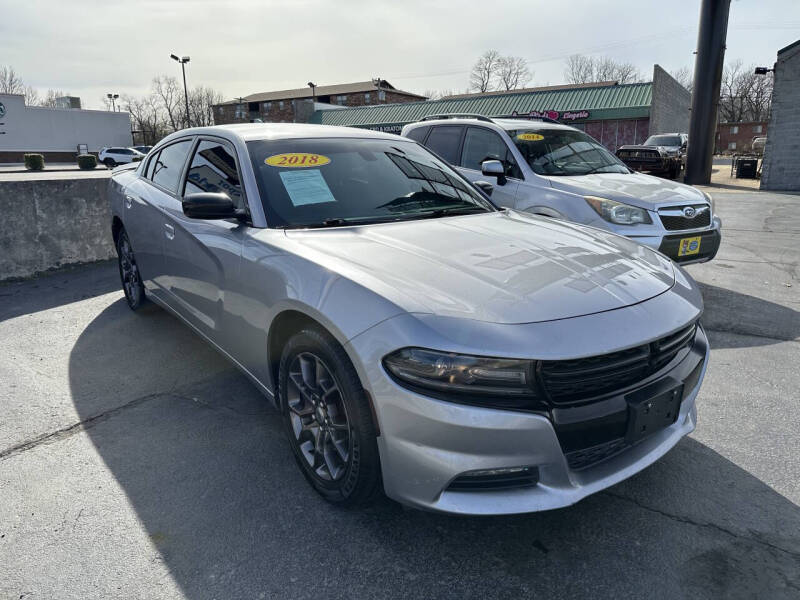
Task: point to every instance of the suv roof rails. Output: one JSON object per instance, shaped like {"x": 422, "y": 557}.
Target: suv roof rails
{"x": 457, "y": 116}
{"x": 529, "y": 118}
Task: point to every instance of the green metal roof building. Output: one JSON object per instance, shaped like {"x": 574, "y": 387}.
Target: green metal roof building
{"x": 612, "y": 113}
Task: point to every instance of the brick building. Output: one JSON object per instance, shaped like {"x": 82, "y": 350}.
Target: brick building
{"x": 781, "y": 169}
{"x": 297, "y": 106}
{"x": 737, "y": 138}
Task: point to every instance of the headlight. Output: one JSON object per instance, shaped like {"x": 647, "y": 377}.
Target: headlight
{"x": 617, "y": 212}
{"x": 508, "y": 381}
{"x": 710, "y": 201}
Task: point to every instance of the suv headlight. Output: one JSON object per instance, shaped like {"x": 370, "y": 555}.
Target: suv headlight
{"x": 508, "y": 382}
{"x": 617, "y": 212}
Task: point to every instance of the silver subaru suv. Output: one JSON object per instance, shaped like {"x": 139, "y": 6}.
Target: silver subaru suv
{"x": 545, "y": 168}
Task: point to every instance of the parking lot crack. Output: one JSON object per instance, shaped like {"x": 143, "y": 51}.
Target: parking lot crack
{"x": 753, "y": 538}
{"x": 70, "y": 430}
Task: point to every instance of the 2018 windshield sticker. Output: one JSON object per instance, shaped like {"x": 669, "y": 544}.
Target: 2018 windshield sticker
{"x": 530, "y": 137}
{"x": 297, "y": 160}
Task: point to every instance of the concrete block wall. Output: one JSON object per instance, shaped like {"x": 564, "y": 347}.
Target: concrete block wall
{"x": 48, "y": 224}
{"x": 781, "y": 166}
{"x": 669, "y": 112}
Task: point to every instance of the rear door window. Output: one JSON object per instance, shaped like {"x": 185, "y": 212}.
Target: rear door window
{"x": 169, "y": 165}
{"x": 418, "y": 134}
{"x": 445, "y": 140}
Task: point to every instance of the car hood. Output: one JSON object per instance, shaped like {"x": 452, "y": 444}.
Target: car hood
{"x": 502, "y": 267}
{"x": 638, "y": 189}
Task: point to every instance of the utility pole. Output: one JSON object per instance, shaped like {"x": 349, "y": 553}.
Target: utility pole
{"x": 113, "y": 98}
{"x": 183, "y": 60}
{"x": 705, "y": 92}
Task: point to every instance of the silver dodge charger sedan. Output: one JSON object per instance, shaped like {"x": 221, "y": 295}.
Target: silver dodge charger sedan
{"x": 416, "y": 339}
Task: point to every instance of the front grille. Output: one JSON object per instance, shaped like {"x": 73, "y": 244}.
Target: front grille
{"x": 677, "y": 222}
{"x": 588, "y": 457}
{"x": 519, "y": 478}
{"x": 647, "y": 154}
{"x": 569, "y": 381}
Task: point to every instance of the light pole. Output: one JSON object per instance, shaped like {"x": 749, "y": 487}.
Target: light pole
{"x": 313, "y": 87}
{"x": 183, "y": 60}
{"x": 113, "y": 98}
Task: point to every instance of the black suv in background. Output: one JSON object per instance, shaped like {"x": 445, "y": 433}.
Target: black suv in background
{"x": 662, "y": 154}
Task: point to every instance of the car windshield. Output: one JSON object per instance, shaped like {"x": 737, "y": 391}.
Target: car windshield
{"x": 565, "y": 152}
{"x": 339, "y": 181}
{"x": 663, "y": 140}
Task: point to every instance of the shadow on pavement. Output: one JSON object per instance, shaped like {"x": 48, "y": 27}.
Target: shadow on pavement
{"x": 208, "y": 472}
{"x": 764, "y": 322}
{"x": 63, "y": 287}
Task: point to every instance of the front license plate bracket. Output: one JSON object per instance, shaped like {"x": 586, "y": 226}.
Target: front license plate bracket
{"x": 648, "y": 415}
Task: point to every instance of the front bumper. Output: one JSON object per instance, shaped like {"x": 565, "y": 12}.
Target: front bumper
{"x": 425, "y": 444}
{"x": 668, "y": 242}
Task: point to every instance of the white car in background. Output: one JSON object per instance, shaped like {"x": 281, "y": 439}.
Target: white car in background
{"x": 111, "y": 157}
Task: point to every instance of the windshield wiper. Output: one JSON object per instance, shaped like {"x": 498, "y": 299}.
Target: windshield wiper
{"x": 445, "y": 212}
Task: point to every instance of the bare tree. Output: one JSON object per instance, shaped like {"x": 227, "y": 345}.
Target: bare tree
{"x": 10, "y": 82}
{"x": 744, "y": 96}
{"x": 588, "y": 69}
{"x": 579, "y": 69}
{"x": 684, "y": 76}
{"x": 484, "y": 71}
{"x": 512, "y": 72}
{"x": 437, "y": 95}
{"x": 201, "y": 105}
{"x": 170, "y": 94}
{"x": 50, "y": 99}
{"x": 31, "y": 96}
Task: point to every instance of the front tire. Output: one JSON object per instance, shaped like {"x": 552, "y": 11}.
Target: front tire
{"x": 129, "y": 273}
{"x": 110, "y": 163}
{"x": 328, "y": 419}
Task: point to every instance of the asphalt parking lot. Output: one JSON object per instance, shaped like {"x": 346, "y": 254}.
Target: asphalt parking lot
{"x": 135, "y": 462}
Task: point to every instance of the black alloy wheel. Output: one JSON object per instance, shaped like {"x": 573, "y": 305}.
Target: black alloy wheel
{"x": 129, "y": 273}
{"x": 328, "y": 419}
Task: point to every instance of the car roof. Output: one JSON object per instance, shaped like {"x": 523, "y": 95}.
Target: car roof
{"x": 276, "y": 131}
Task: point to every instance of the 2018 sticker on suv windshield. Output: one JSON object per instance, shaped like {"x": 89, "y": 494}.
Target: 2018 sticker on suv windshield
{"x": 297, "y": 159}
{"x": 530, "y": 137}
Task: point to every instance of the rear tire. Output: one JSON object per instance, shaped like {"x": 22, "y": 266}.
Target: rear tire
{"x": 328, "y": 419}
{"x": 129, "y": 273}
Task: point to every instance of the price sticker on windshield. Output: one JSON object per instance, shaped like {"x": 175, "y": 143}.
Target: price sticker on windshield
{"x": 530, "y": 137}
{"x": 297, "y": 160}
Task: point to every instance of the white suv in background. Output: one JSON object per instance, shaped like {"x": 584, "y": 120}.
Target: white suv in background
{"x": 545, "y": 168}
{"x": 111, "y": 157}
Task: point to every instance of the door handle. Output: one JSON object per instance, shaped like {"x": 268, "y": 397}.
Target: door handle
{"x": 128, "y": 201}
{"x": 169, "y": 231}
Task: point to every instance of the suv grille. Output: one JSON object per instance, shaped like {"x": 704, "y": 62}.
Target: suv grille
{"x": 568, "y": 381}
{"x": 674, "y": 220}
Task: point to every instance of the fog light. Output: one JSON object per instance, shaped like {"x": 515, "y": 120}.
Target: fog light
{"x": 505, "y": 478}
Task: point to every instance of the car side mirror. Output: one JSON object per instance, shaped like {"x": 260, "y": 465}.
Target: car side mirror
{"x": 210, "y": 205}
{"x": 494, "y": 168}
{"x": 486, "y": 187}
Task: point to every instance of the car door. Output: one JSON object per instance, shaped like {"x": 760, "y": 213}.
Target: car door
{"x": 480, "y": 144}
{"x": 143, "y": 222}
{"x": 202, "y": 256}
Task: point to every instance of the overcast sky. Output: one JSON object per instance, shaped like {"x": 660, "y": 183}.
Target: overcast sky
{"x": 91, "y": 48}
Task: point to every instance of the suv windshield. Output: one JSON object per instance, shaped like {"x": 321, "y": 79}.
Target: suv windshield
{"x": 564, "y": 152}
{"x": 663, "y": 140}
{"x": 329, "y": 181}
